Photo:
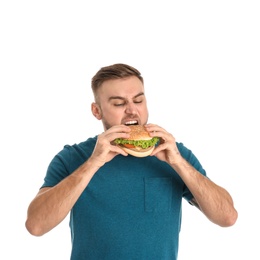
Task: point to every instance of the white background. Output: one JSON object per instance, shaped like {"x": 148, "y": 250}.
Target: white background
{"x": 201, "y": 65}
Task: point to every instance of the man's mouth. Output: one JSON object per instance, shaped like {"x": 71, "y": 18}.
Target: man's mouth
{"x": 134, "y": 122}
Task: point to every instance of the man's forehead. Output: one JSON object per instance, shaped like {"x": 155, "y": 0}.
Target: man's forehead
{"x": 130, "y": 88}
{"x": 125, "y": 83}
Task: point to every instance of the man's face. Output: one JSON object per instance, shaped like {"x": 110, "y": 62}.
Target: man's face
{"x": 121, "y": 101}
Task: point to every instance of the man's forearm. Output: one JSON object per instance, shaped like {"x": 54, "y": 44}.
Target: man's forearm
{"x": 52, "y": 204}
{"x": 214, "y": 201}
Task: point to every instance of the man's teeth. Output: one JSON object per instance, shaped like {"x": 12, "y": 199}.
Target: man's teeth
{"x": 131, "y": 123}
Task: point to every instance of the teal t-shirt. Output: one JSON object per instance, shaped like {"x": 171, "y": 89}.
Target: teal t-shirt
{"x": 131, "y": 209}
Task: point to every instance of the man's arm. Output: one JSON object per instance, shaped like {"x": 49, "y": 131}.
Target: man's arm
{"x": 214, "y": 201}
{"x": 52, "y": 204}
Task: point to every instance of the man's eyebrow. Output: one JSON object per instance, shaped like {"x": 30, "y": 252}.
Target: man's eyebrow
{"x": 140, "y": 94}
{"x": 122, "y": 98}
{"x": 115, "y": 97}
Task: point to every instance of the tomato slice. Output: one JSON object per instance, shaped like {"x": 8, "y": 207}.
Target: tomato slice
{"x": 129, "y": 145}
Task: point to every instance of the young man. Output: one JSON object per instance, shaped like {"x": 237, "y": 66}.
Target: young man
{"x": 121, "y": 206}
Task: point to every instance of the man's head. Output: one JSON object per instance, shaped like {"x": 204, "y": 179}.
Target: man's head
{"x": 119, "y": 96}
{"x": 116, "y": 71}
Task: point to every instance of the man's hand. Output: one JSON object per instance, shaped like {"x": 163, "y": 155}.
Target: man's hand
{"x": 167, "y": 149}
{"x": 105, "y": 150}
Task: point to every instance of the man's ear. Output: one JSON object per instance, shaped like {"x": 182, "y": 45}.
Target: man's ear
{"x": 96, "y": 110}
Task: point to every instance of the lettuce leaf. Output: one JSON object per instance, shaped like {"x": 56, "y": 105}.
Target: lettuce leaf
{"x": 142, "y": 143}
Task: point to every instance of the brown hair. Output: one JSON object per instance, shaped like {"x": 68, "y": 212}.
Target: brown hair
{"x": 115, "y": 71}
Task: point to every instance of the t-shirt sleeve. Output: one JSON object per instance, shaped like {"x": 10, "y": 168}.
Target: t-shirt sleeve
{"x": 58, "y": 168}
{"x": 192, "y": 159}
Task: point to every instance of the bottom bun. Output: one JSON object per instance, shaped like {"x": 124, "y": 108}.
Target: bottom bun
{"x": 139, "y": 153}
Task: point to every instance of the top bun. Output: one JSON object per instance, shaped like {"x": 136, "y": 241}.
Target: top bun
{"x": 138, "y": 132}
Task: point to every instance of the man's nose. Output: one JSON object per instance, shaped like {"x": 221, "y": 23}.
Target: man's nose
{"x": 131, "y": 108}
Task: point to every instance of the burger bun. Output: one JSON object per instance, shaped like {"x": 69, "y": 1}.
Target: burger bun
{"x": 138, "y": 153}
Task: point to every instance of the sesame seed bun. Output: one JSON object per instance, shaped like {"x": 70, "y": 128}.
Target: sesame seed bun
{"x": 138, "y": 132}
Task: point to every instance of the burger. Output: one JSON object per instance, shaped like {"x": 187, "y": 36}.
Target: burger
{"x": 139, "y": 143}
